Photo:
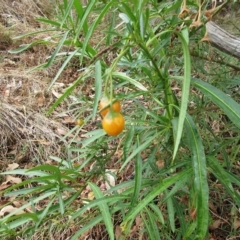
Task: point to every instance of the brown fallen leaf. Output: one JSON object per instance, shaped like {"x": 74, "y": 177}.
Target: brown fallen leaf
{"x": 11, "y": 179}
{"x": 69, "y": 120}
{"x": 110, "y": 179}
{"x": 215, "y": 224}
{"x": 6, "y": 93}
{"x": 160, "y": 164}
{"x": 9, "y": 209}
{"x": 138, "y": 221}
{"x": 4, "y": 186}
{"x": 3, "y": 202}
{"x": 17, "y": 204}
{"x": 56, "y": 94}
{"x": 61, "y": 131}
{"x": 118, "y": 232}
{"x": 236, "y": 223}
{"x": 12, "y": 166}
{"x": 40, "y": 99}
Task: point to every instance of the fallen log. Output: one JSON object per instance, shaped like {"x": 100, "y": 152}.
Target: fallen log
{"x": 223, "y": 40}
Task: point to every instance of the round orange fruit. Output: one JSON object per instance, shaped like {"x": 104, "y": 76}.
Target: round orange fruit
{"x": 113, "y": 123}
{"x": 116, "y": 106}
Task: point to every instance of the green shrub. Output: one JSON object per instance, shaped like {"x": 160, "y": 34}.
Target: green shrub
{"x": 139, "y": 53}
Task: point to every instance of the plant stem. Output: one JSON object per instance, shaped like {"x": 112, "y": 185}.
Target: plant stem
{"x": 166, "y": 84}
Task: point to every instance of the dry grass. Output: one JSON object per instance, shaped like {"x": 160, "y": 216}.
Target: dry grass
{"x": 24, "y": 101}
{"x": 27, "y": 135}
{"x": 25, "y": 132}
{"x": 22, "y": 13}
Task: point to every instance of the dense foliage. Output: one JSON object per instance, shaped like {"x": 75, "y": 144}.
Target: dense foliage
{"x": 148, "y": 55}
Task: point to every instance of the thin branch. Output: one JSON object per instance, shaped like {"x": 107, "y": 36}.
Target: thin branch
{"x": 236, "y": 68}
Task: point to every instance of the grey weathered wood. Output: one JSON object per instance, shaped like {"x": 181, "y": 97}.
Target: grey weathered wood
{"x": 223, "y": 40}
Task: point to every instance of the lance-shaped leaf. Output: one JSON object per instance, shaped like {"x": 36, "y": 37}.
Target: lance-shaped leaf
{"x": 200, "y": 177}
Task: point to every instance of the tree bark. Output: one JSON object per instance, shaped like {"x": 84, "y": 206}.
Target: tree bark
{"x": 223, "y": 40}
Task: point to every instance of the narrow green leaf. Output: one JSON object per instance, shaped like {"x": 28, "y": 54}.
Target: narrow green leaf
{"x": 67, "y": 202}
{"x": 191, "y": 230}
{"x": 36, "y": 217}
{"x": 151, "y": 225}
{"x": 121, "y": 187}
{"x": 138, "y": 150}
{"x": 26, "y": 172}
{"x": 222, "y": 100}
{"x": 185, "y": 34}
{"x": 44, "y": 213}
{"x": 98, "y": 87}
{"x": 233, "y": 178}
{"x": 65, "y": 94}
{"x": 35, "y": 200}
{"x": 93, "y": 27}
{"x": 200, "y": 178}
{"x": 94, "y": 221}
{"x": 124, "y": 17}
{"x": 95, "y": 134}
{"x": 148, "y": 228}
{"x": 142, "y": 27}
{"x": 60, "y": 161}
{"x": 37, "y": 32}
{"x": 138, "y": 177}
{"x": 107, "y": 218}
{"x": 26, "y": 46}
{"x": 181, "y": 184}
{"x": 87, "y": 11}
{"x": 67, "y": 12}
{"x": 185, "y": 92}
{"x": 147, "y": 21}
{"x": 111, "y": 29}
{"x": 156, "y": 190}
{"x": 158, "y": 212}
{"x": 45, "y": 167}
{"x": 180, "y": 212}
{"x": 62, "y": 68}
{"x": 223, "y": 176}
{"x": 130, "y": 80}
{"x": 49, "y": 21}
{"x": 171, "y": 212}
{"x": 57, "y": 50}
{"x": 24, "y": 191}
{"x": 128, "y": 142}
{"x": 125, "y": 8}
{"x": 19, "y": 220}
{"x": 79, "y": 9}
{"x": 60, "y": 201}
{"x": 110, "y": 199}
{"x": 152, "y": 161}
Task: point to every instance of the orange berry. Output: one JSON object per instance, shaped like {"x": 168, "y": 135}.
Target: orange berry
{"x": 116, "y": 106}
{"x": 113, "y": 123}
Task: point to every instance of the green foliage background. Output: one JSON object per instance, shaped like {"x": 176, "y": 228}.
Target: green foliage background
{"x": 165, "y": 94}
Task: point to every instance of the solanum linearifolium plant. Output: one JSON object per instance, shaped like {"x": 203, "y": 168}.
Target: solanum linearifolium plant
{"x": 149, "y": 43}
